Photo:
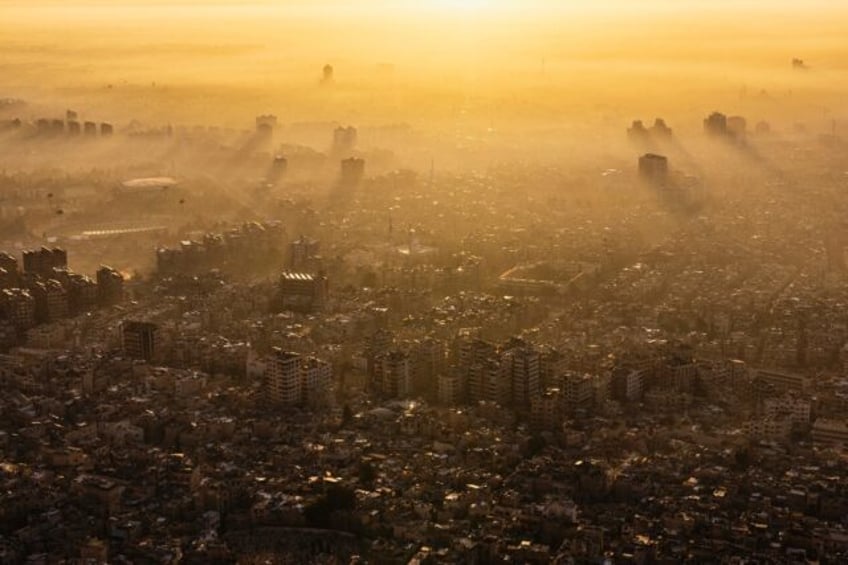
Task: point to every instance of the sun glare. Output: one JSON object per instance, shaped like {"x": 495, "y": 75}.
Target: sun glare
{"x": 458, "y": 6}
{"x": 464, "y": 5}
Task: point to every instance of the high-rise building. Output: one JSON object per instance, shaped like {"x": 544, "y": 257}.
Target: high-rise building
{"x": 653, "y": 168}
{"x": 470, "y": 349}
{"x": 265, "y": 125}
{"x": 9, "y": 263}
{"x": 89, "y": 129}
{"x": 429, "y": 361}
{"x": 344, "y": 140}
{"x": 578, "y": 390}
{"x": 249, "y": 247}
{"x": 547, "y": 410}
{"x": 637, "y": 131}
{"x": 552, "y": 364}
{"x": 716, "y": 124}
{"x": 278, "y": 170}
{"x": 353, "y": 170}
{"x": 737, "y": 126}
{"x": 377, "y": 345}
{"x": 660, "y": 129}
{"x": 7, "y": 279}
{"x": 301, "y": 251}
{"x": 8, "y": 271}
{"x": 140, "y": 340}
{"x": 450, "y": 389}
{"x": 490, "y": 381}
{"x": 292, "y": 379}
{"x": 627, "y": 385}
{"x": 110, "y": 286}
{"x": 18, "y": 306}
{"x": 82, "y": 294}
{"x": 317, "y": 381}
{"x": 525, "y": 373}
{"x": 302, "y": 292}
{"x": 42, "y": 262}
{"x": 283, "y": 378}
{"x": 393, "y": 375}
{"x": 81, "y": 291}
{"x": 51, "y": 301}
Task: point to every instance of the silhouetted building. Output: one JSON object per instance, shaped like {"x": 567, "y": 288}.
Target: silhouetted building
{"x": 265, "y": 125}
{"x": 344, "y": 140}
{"x": 301, "y": 251}
{"x": 523, "y": 363}
{"x": 10, "y": 124}
{"x": 716, "y": 124}
{"x": 737, "y": 126}
{"x": 637, "y": 131}
{"x": 328, "y": 74}
{"x": 279, "y": 167}
{"x": 8, "y": 279}
{"x": 660, "y": 129}
{"x": 82, "y": 293}
{"x": 353, "y": 170}
{"x": 106, "y": 129}
{"x": 8, "y": 263}
{"x": 139, "y": 340}
{"x": 90, "y": 129}
{"x": 57, "y": 127}
{"x": 302, "y": 292}
{"x": 18, "y": 306}
{"x": 653, "y": 168}
{"x": 110, "y": 286}
{"x": 450, "y": 389}
{"x": 627, "y": 385}
{"x": 43, "y": 261}
{"x": 74, "y": 128}
{"x": 71, "y": 116}
{"x": 547, "y": 409}
{"x": 249, "y": 247}
{"x": 51, "y": 301}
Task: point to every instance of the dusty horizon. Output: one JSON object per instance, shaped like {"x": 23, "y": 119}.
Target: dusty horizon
{"x": 506, "y": 64}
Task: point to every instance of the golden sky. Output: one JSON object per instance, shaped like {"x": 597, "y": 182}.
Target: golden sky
{"x": 529, "y": 54}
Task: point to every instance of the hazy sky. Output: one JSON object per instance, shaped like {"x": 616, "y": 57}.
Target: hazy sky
{"x": 464, "y": 5}
{"x": 582, "y": 51}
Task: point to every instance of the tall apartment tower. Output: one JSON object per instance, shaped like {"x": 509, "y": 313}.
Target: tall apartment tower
{"x": 140, "y": 340}
{"x": 292, "y": 379}
{"x": 301, "y": 251}
{"x": 110, "y": 286}
{"x": 42, "y": 261}
{"x": 653, "y": 168}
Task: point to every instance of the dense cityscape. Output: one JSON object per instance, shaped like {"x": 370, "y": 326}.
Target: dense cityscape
{"x": 231, "y": 345}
